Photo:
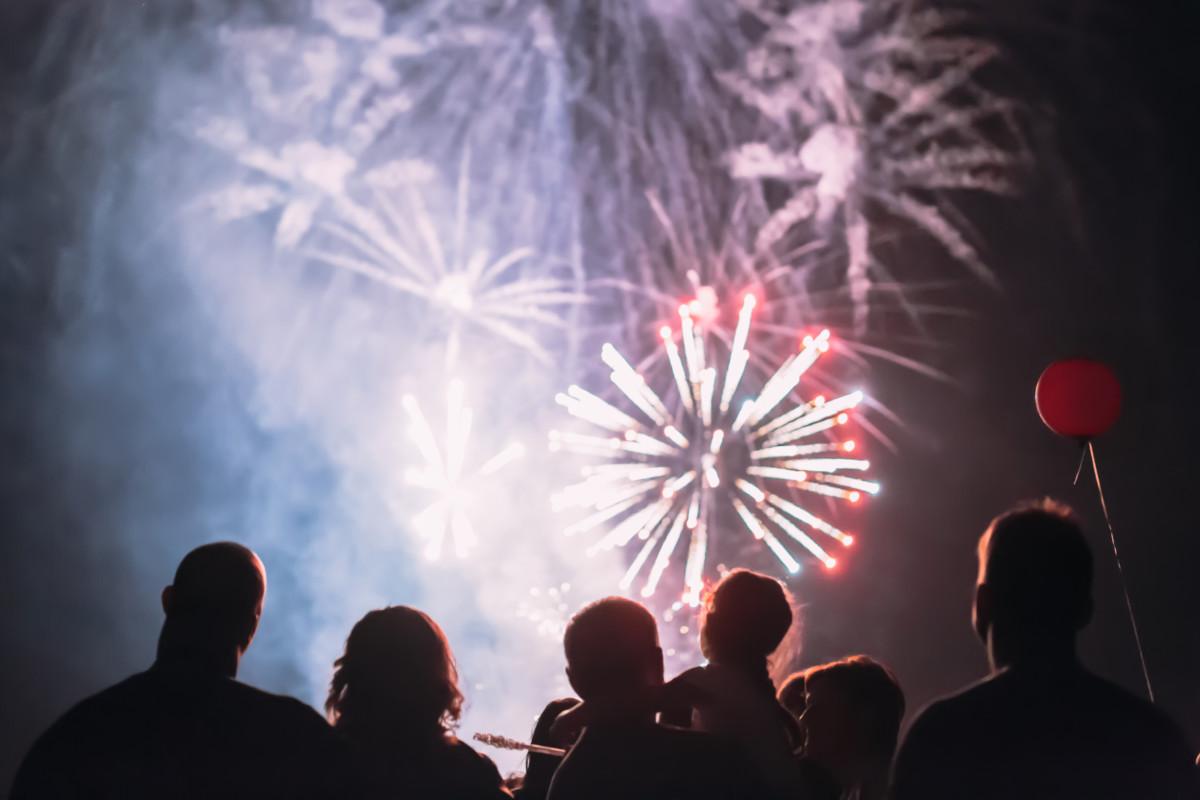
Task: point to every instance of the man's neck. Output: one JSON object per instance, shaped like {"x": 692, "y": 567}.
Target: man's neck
{"x": 1039, "y": 654}
{"x": 178, "y": 650}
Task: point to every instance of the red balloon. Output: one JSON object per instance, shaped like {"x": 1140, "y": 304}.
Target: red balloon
{"x": 1078, "y": 398}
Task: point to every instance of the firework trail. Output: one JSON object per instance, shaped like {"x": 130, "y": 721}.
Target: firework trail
{"x": 665, "y": 472}
{"x": 320, "y": 102}
{"x": 872, "y": 107}
{"x": 350, "y": 90}
{"x": 400, "y": 247}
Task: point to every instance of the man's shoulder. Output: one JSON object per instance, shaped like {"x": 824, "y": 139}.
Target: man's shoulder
{"x": 47, "y": 768}
{"x": 937, "y": 758}
{"x": 1076, "y": 693}
{"x": 279, "y": 707}
{"x": 964, "y": 704}
{"x": 103, "y": 703}
{"x": 1127, "y": 711}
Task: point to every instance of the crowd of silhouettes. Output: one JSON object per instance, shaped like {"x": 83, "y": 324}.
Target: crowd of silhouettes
{"x": 1039, "y": 725}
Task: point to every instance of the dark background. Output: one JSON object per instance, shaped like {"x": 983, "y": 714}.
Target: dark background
{"x": 1099, "y": 260}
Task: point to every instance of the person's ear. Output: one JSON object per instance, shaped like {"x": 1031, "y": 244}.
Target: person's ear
{"x": 251, "y": 628}
{"x": 574, "y": 686}
{"x": 981, "y": 611}
{"x": 166, "y": 600}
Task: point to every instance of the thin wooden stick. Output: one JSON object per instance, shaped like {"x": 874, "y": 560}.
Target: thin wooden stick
{"x": 504, "y": 743}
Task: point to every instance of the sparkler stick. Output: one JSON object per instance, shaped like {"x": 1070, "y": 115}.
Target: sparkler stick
{"x": 504, "y": 743}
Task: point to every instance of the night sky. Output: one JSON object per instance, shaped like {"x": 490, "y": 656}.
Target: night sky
{"x": 1099, "y": 260}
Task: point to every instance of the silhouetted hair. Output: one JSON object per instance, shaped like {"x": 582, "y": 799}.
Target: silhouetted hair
{"x": 539, "y": 768}
{"x": 219, "y": 584}
{"x": 396, "y": 679}
{"x": 873, "y": 695}
{"x": 745, "y": 618}
{"x": 1038, "y": 566}
{"x": 608, "y": 644}
{"x": 791, "y": 693}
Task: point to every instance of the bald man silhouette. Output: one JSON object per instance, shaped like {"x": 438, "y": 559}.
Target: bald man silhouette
{"x": 186, "y": 727}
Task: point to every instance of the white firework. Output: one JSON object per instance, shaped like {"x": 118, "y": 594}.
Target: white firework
{"x": 330, "y": 93}
{"x": 401, "y": 245}
{"x": 445, "y": 472}
{"x": 874, "y": 104}
{"x": 667, "y": 469}
{"x": 341, "y": 83}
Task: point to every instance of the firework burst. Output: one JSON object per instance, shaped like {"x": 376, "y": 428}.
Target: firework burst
{"x": 873, "y": 106}
{"x": 445, "y": 472}
{"x": 667, "y": 471}
{"x": 400, "y": 246}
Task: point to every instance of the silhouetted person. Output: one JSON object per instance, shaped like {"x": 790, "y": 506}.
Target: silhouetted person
{"x": 186, "y": 728}
{"x": 539, "y": 767}
{"x": 612, "y": 652}
{"x": 1041, "y": 726}
{"x": 851, "y": 722}
{"x": 744, "y": 620}
{"x": 394, "y": 697}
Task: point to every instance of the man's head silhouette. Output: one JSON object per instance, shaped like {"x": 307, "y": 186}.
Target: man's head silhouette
{"x": 216, "y": 599}
{"x": 1034, "y": 591}
{"x": 612, "y": 647}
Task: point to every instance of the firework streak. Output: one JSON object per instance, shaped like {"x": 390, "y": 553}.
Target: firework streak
{"x": 665, "y": 470}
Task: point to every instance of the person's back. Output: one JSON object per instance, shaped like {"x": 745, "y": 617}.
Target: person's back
{"x": 394, "y": 699}
{"x": 745, "y": 619}
{"x": 654, "y": 762}
{"x": 1041, "y": 726}
{"x": 540, "y": 767}
{"x": 612, "y": 655}
{"x": 1043, "y": 734}
{"x": 185, "y": 727}
{"x": 852, "y": 714}
{"x": 169, "y": 733}
{"x": 445, "y": 770}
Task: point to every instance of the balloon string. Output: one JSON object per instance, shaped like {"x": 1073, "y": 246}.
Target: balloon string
{"x": 1083, "y": 454}
{"x": 1121, "y": 572}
